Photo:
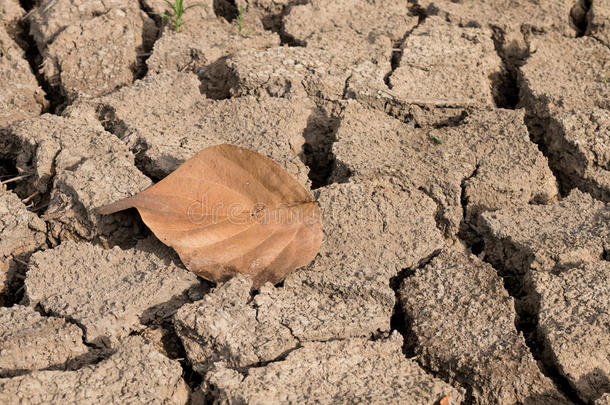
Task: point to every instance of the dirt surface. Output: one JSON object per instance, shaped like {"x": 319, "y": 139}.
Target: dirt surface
{"x": 458, "y": 295}
{"x": 459, "y": 152}
{"x": 543, "y": 255}
{"x": 30, "y": 341}
{"x": 485, "y": 161}
{"x": 134, "y": 373}
{"x": 164, "y": 135}
{"x": 354, "y": 300}
{"x": 369, "y": 372}
{"x": 107, "y": 300}
{"x": 21, "y": 95}
{"x": 23, "y": 232}
{"x": 90, "y": 48}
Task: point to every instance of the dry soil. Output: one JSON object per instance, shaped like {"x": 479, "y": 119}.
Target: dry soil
{"x": 459, "y": 152}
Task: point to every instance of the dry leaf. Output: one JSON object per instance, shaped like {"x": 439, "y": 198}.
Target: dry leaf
{"x": 445, "y": 400}
{"x": 230, "y": 210}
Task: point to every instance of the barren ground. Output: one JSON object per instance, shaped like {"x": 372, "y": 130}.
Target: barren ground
{"x": 459, "y": 151}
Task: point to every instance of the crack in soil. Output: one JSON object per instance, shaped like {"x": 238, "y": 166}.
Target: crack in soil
{"x": 463, "y": 197}
{"x": 106, "y": 115}
{"x": 600, "y": 41}
{"x": 49, "y": 313}
{"x": 147, "y": 49}
{"x": 505, "y": 83}
{"x": 92, "y": 357}
{"x": 401, "y": 322}
{"x": 23, "y": 181}
{"x": 45, "y": 198}
{"x": 226, "y": 9}
{"x": 465, "y": 232}
{"x": 56, "y": 100}
{"x": 442, "y": 222}
{"x": 275, "y": 23}
{"x": 537, "y": 128}
{"x": 396, "y": 55}
{"x": 95, "y": 355}
{"x": 526, "y": 323}
{"x": 8, "y": 172}
{"x": 567, "y": 162}
{"x": 578, "y": 16}
{"x": 174, "y": 349}
{"x": 320, "y": 135}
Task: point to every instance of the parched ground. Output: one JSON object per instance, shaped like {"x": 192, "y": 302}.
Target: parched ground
{"x": 459, "y": 151}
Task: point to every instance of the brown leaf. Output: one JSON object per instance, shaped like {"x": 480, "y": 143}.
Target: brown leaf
{"x": 230, "y": 210}
{"x": 444, "y": 400}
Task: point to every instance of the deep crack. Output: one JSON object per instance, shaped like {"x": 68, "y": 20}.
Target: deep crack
{"x": 274, "y": 22}
{"x": 56, "y": 100}
{"x": 395, "y": 58}
{"x": 226, "y": 9}
{"x": 465, "y": 231}
{"x": 578, "y": 16}
{"x": 106, "y": 115}
{"x": 402, "y": 321}
{"x": 537, "y": 129}
{"x": 320, "y": 135}
{"x": 146, "y": 50}
{"x": 505, "y": 83}
{"x": 526, "y": 320}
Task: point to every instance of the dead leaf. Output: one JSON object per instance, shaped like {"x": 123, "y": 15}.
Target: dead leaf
{"x": 445, "y": 400}
{"x": 230, "y": 210}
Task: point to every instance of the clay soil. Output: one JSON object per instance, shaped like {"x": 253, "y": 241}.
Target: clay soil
{"x": 459, "y": 151}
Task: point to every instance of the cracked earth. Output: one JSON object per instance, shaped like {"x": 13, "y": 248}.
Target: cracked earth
{"x": 459, "y": 151}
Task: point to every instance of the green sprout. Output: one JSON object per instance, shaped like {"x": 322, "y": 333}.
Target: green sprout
{"x": 437, "y": 140}
{"x": 175, "y": 15}
{"x": 240, "y": 19}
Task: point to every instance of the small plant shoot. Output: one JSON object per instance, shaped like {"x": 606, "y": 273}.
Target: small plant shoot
{"x": 437, "y": 140}
{"x": 240, "y": 19}
{"x": 174, "y": 15}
